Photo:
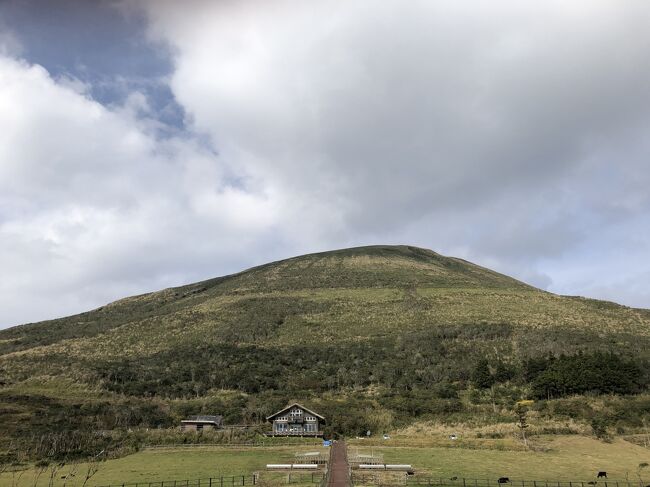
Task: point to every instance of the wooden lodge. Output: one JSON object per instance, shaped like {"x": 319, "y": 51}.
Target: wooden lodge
{"x": 200, "y": 423}
{"x": 296, "y": 420}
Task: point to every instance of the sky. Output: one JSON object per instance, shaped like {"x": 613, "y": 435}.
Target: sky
{"x": 148, "y": 144}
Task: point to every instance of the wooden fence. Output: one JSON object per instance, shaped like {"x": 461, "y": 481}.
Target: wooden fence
{"x": 326, "y": 474}
{"x": 375, "y": 478}
{"x": 262, "y": 443}
{"x": 463, "y": 482}
{"x": 224, "y": 481}
{"x": 228, "y": 481}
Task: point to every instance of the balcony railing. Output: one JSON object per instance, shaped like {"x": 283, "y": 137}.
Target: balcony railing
{"x": 294, "y": 433}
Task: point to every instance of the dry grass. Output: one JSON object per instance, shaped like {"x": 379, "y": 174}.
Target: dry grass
{"x": 167, "y": 464}
{"x": 349, "y": 295}
{"x": 565, "y": 458}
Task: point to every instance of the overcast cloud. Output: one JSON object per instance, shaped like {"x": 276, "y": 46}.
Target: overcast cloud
{"x": 509, "y": 133}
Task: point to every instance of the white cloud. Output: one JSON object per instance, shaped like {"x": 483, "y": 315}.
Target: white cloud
{"x": 507, "y": 133}
{"x": 510, "y": 130}
{"x": 94, "y": 207}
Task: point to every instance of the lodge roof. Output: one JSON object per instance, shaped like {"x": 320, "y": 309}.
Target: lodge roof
{"x": 295, "y": 404}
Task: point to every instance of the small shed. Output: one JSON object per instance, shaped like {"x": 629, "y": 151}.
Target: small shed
{"x": 200, "y": 423}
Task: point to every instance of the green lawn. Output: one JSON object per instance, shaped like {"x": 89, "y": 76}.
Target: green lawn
{"x": 565, "y": 458}
{"x": 559, "y": 458}
{"x": 170, "y": 464}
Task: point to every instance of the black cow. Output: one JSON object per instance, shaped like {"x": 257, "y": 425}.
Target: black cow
{"x": 503, "y": 480}
{"x": 601, "y": 475}
{"x": 454, "y": 478}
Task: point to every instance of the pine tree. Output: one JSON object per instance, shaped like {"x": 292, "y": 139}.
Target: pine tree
{"x": 481, "y": 376}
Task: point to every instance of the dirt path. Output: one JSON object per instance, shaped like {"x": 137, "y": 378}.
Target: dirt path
{"x": 339, "y": 469}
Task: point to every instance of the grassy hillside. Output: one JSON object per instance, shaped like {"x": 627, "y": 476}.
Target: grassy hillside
{"x": 400, "y": 331}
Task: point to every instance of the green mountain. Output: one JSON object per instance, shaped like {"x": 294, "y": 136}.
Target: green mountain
{"x": 396, "y": 329}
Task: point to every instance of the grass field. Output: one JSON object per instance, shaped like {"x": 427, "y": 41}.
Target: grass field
{"x": 156, "y": 465}
{"x": 564, "y": 458}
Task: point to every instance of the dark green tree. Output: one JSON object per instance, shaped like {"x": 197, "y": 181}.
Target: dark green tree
{"x": 599, "y": 428}
{"x": 481, "y": 375}
{"x": 504, "y": 372}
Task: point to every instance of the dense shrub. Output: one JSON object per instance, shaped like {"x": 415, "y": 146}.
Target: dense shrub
{"x": 599, "y": 373}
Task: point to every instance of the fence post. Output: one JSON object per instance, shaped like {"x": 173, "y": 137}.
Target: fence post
{"x": 210, "y": 482}
{"x": 464, "y": 484}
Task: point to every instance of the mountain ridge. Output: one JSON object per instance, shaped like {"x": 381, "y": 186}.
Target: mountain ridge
{"x": 398, "y": 330}
{"x": 185, "y": 290}
{"x": 401, "y": 267}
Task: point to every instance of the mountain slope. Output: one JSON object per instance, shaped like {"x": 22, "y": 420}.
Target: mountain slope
{"x": 388, "y": 322}
{"x": 364, "y": 267}
{"x": 417, "y": 285}
{"x": 340, "y": 296}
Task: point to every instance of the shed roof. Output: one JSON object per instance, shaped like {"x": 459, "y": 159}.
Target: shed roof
{"x": 292, "y": 405}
